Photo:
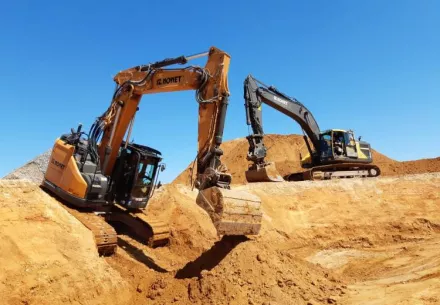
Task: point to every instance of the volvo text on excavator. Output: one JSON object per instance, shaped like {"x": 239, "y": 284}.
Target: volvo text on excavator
{"x": 103, "y": 178}
{"x": 335, "y": 152}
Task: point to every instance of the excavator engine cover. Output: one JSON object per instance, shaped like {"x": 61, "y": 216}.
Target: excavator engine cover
{"x": 232, "y": 212}
{"x": 266, "y": 173}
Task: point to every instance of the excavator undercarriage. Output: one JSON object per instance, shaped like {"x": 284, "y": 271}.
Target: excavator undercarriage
{"x": 151, "y": 232}
{"x": 336, "y": 171}
{"x": 105, "y": 236}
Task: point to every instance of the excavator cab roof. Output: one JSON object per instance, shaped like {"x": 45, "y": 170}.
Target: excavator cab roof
{"x": 330, "y": 130}
{"x": 144, "y": 151}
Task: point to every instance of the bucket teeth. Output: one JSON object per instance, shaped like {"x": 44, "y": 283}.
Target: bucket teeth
{"x": 266, "y": 173}
{"x": 232, "y": 212}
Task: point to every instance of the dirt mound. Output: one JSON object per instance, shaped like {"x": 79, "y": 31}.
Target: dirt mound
{"x": 199, "y": 268}
{"x": 323, "y": 242}
{"x": 396, "y": 168}
{"x": 47, "y": 256}
{"x": 33, "y": 170}
{"x": 285, "y": 151}
{"x": 350, "y": 241}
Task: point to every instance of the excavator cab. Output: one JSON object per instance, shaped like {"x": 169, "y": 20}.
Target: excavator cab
{"x": 339, "y": 145}
{"x": 133, "y": 180}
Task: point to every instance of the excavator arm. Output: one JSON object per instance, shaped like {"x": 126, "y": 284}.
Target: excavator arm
{"x": 212, "y": 94}
{"x": 232, "y": 212}
{"x": 256, "y": 93}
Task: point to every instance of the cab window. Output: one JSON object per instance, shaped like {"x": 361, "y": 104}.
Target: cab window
{"x": 326, "y": 137}
{"x": 145, "y": 179}
{"x": 349, "y": 139}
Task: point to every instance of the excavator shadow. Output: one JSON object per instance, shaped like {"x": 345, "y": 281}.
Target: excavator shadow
{"x": 139, "y": 255}
{"x": 211, "y": 258}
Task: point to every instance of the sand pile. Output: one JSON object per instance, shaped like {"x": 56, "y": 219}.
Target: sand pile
{"x": 348, "y": 241}
{"x": 47, "y": 256}
{"x": 323, "y": 242}
{"x": 239, "y": 273}
{"x": 327, "y": 242}
{"x": 199, "y": 268}
{"x": 396, "y": 168}
{"x": 285, "y": 151}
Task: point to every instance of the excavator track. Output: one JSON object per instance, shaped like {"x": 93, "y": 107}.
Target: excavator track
{"x": 151, "y": 232}
{"x": 105, "y": 236}
{"x": 332, "y": 171}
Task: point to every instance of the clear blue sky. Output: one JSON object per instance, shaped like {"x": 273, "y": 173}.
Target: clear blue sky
{"x": 372, "y": 66}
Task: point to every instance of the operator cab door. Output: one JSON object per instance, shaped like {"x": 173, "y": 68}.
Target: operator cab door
{"x": 338, "y": 144}
{"x": 350, "y": 145}
{"x": 126, "y": 175}
{"x": 144, "y": 182}
{"x": 326, "y": 151}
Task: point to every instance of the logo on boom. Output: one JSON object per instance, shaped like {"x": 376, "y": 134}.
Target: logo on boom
{"x": 57, "y": 164}
{"x": 276, "y": 98}
{"x": 168, "y": 80}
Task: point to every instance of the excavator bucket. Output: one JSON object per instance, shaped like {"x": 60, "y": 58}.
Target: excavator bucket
{"x": 232, "y": 212}
{"x": 268, "y": 173}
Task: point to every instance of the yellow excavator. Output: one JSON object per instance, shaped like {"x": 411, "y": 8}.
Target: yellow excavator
{"x": 103, "y": 178}
{"x": 335, "y": 153}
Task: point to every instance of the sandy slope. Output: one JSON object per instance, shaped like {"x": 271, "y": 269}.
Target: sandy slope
{"x": 46, "y": 256}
